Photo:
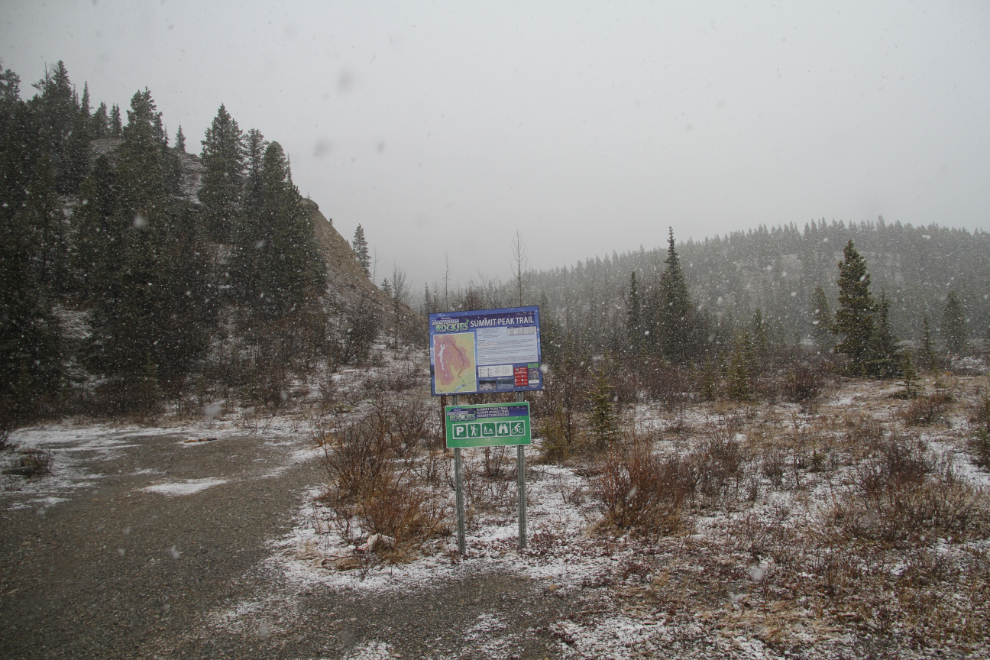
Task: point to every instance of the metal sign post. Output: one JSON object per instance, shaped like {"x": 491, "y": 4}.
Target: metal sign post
{"x": 521, "y": 486}
{"x": 459, "y": 490}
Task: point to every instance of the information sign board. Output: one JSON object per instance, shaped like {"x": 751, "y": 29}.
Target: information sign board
{"x": 487, "y": 350}
{"x": 488, "y": 425}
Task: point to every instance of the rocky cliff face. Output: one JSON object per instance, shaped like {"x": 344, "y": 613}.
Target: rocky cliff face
{"x": 347, "y": 278}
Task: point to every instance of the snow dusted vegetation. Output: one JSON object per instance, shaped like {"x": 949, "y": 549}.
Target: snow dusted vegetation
{"x": 852, "y": 525}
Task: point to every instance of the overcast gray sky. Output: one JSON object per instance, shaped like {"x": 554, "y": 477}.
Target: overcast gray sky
{"x": 586, "y": 126}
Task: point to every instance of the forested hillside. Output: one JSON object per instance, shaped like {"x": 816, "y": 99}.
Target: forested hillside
{"x": 770, "y": 274}
{"x": 135, "y": 273}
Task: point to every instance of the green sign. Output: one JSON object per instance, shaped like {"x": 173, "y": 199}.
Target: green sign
{"x": 488, "y": 424}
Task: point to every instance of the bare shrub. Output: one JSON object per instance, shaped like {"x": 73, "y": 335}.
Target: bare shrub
{"x": 368, "y": 486}
{"x": 487, "y": 487}
{"x": 773, "y": 463}
{"x": 980, "y": 425}
{"x": 805, "y": 383}
{"x": 717, "y": 465}
{"x": 31, "y": 463}
{"x": 640, "y": 493}
{"x": 352, "y": 331}
{"x": 669, "y": 384}
{"x": 5, "y": 430}
{"x": 900, "y": 496}
{"x": 398, "y": 379}
{"x": 926, "y": 410}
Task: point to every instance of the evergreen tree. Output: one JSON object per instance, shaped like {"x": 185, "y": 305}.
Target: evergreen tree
{"x": 677, "y": 332}
{"x": 954, "y": 330}
{"x": 277, "y": 267}
{"x": 180, "y": 141}
{"x": 100, "y": 228}
{"x": 116, "y": 127}
{"x": 603, "y": 420}
{"x": 84, "y": 103}
{"x": 31, "y": 244}
{"x": 254, "y": 153}
{"x": 885, "y": 360}
{"x": 854, "y": 318}
{"x": 100, "y": 123}
{"x": 223, "y": 160}
{"x": 634, "y": 319}
{"x": 76, "y": 157}
{"x": 761, "y": 337}
{"x": 360, "y": 245}
{"x": 927, "y": 355}
{"x": 154, "y": 310}
{"x": 821, "y": 320}
{"x": 744, "y": 368}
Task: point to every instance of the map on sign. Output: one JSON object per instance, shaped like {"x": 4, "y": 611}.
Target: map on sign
{"x": 455, "y": 363}
{"x": 489, "y": 350}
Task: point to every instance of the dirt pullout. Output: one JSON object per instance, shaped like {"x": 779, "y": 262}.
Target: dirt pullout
{"x": 164, "y": 552}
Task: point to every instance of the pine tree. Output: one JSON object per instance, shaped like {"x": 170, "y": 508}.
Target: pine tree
{"x": 884, "y": 359}
{"x": 223, "y": 160}
{"x": 954, "y": 330}
{"x": 30, "y": 244}
{"x": 761, "y": 337}
{"x": 100, "y": 228}
{"x": 360, "y": 245}
{"x": 854, "y": 318}
{"x": 153, "y": 311}
{"x": 744, "y": 368}
{"x": 84, "y": 103}
{"x": 603, "y": 420}
{"x": 677, "y": 332}
{"x": 180, "y": 141}
{"x": 277, "y": 267}
{"x": 634, "y": 318}
{"x": 100, "y": 123}
{"x": 927, "y": 355}
{"x": 254, "y": 153}
{"x": 821, "y": 320}
{"x": 76, "y": 156}
{"x": 116, "y": 128}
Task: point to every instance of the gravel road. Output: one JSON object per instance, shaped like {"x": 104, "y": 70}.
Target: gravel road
{"x": 117, "y": 571}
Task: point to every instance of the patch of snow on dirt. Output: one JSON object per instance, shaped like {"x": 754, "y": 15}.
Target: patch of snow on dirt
{"x": 187, "y": 487}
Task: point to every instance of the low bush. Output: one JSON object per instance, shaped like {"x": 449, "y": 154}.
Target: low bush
{"x": 900, "y": 496}
{"x": 640, "y": 493}
{"x": 31, "y": 463}
{"x": 926, "y": 410}
{"x": 371, "y": 492}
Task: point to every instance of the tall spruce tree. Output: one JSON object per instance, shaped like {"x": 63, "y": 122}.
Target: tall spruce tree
{"x": 821, "y": 320}
{"x": 360, "y": 245}
{"x": 223, "y": 178}
{"x": 277, "y": 267}
{"x": 116, "y": 127}
{"x": 885, "y": 360}
{"x": 100, "y": 122}
{"x": 677, "y": 324}
{"x": 954, "y": 330}
{"x": 854, "y": 323}
{"x": 32, "y": 271}
{"x": 634, "y": 316}
{"x": 154, "y": 309}
{"x": 180, "y": 141}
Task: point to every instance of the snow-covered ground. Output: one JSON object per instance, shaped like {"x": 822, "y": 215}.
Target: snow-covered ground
{"x": 750, "y": 575}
